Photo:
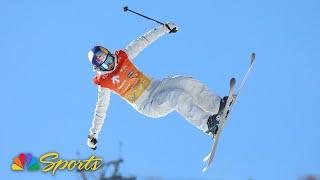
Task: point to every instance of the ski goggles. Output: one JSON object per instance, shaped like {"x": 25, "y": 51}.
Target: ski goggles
{"x": 106, "y": 62}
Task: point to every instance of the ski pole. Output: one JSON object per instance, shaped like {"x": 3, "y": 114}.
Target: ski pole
{"x": 125, "y": 9}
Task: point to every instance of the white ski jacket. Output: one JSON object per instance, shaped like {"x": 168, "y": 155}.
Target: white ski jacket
{"x": 132, "y": 50}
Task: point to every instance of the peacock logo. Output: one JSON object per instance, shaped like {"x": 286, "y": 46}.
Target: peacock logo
{"x": 25, "y": 161}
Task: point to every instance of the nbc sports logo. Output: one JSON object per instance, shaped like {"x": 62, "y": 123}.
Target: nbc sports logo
{"x": 52, "y": 163}
{"x": 25, "y": 161}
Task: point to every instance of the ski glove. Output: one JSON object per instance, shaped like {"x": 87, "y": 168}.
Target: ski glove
{"x": 92, "y": 142}
{"x": 172, "y": 27}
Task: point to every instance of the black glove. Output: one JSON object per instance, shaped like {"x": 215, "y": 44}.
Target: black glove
{"x": 92, "y": 142}
{"x": 172, "y": 27}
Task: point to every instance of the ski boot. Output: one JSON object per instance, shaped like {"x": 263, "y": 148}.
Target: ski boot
{"x": 214, "y": 120}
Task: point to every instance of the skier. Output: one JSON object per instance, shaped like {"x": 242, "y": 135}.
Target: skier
{"x": 153, "y": 98}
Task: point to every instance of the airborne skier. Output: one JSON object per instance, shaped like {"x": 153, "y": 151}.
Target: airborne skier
{"x": 154, "y": 98}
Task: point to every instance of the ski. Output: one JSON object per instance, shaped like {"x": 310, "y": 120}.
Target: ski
{"x": 245, "y": 77}
{"x": 215, "y": 138}
{"x": 232, "y": 97}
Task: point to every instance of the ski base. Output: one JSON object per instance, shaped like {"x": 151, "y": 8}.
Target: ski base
{"x": 223, "y": 119}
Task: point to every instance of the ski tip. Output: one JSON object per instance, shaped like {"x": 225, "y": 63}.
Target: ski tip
{"x": 232, "y": 81}
{"x": 253, "y": 57}
{"x": 125, "y": 8}
{"x": 206, "y": 158}
{"x": 205, "y": 169}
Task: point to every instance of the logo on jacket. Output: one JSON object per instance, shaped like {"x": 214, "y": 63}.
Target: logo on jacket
{"x": 130, "y": 74}
{"x": 115, "y": 79}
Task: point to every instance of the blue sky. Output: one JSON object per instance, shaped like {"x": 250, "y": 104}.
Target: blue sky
{"x": 48, "y": 99}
